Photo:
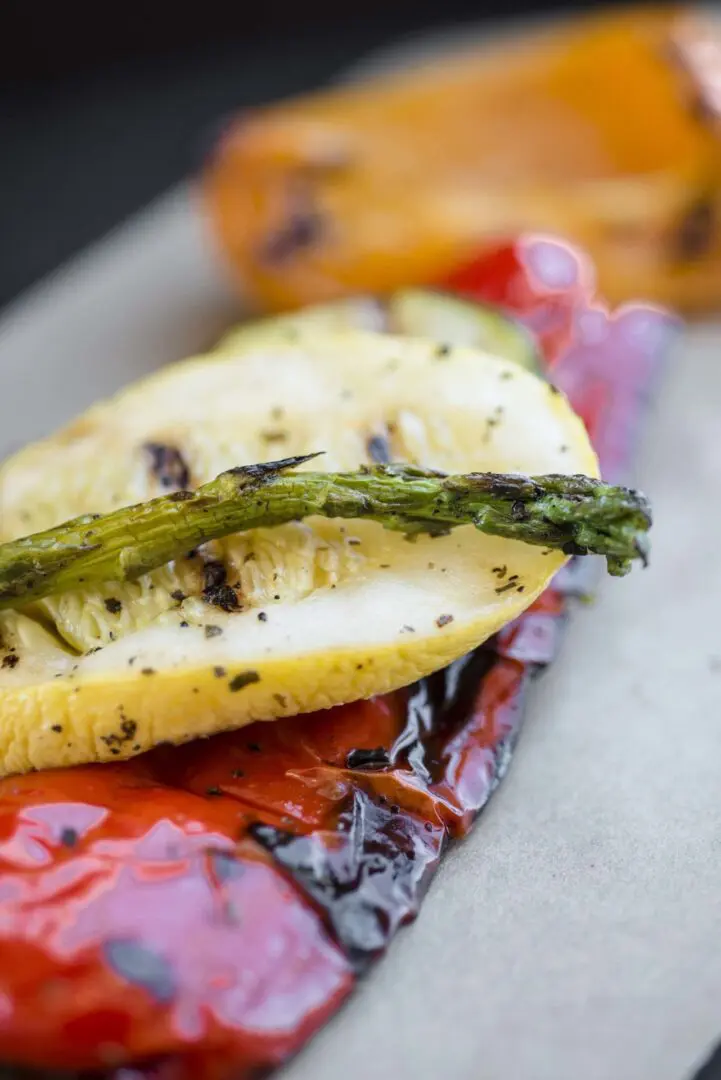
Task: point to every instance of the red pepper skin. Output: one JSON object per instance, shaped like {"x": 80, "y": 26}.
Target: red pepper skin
{"x": 199, "y": 912}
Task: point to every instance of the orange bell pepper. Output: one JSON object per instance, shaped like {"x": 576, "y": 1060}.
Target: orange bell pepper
{"x": 603, "y": 130}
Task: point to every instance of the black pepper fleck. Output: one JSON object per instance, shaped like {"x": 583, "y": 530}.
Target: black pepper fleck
{"x": 213, "y": 631}
{"x": 113, "y": 605}
{"x": 10, "y": 661}
{"x": 443, "y": 620}
{"x": 243, "y": 679}
{"x": 262, "y": 616}
{"x": 57, "y": 728}
{"x": 68, "y": 837}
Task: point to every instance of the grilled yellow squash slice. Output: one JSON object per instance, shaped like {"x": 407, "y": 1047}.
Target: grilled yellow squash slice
{"x": 276, "y": 621}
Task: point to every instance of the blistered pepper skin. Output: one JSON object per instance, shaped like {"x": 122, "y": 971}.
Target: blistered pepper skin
{"x": 605, "y": 130}
{"x": 199, "y": 912}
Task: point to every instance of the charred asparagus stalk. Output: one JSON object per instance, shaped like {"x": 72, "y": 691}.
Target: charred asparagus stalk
{"x": 572, "y": 513}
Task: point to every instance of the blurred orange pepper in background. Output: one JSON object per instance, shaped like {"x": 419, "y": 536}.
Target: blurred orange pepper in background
{"x": 604, "y": 130}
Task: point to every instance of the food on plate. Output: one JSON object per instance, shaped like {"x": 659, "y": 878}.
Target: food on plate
{"x": 604, "y": 129}
{"x": 275, "y": 589}
{"x": 198, "y": 912}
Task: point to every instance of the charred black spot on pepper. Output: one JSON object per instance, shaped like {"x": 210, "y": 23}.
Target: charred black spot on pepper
{"x": 141, "y": 966}
{"x": 11, "y": 660}
{"x": 213, "y": 791}
{"x": 168, "y": 465}
{"x": 695, "y": 235}
{"x": 254, "y": 747}
{"x": 68, "y": 837}
{"x": 376, "y": 758}
{"x": 519, "y": 511}
{"x": 213, "y": 631}
{"x": 243, "y": 679}
{"x": 304, "y": 226}
{"x": 281, "y": 699}
{"x": 113, "y": 605}
{"x": 237, "y": 774}
{"x": 369, "y": 882}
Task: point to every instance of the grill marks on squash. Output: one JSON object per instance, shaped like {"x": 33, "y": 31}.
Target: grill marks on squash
{"x": 168, "y": 466}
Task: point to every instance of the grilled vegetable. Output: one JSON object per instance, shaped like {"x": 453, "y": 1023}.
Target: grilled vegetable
{"x": 397, "y": 182}
{"x": 270, "y": 621}
{"x": 571, "y": 513}
{"x": 427, "y": 313}
{"x": 446, "y": 318}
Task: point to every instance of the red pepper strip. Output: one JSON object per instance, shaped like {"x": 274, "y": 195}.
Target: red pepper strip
{"x": 199, "y": 912}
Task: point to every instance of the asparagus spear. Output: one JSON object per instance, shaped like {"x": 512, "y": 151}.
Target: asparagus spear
{"x": 573, "y": 513}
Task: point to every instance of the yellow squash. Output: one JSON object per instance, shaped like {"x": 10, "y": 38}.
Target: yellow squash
{"x": 321, "y": 612}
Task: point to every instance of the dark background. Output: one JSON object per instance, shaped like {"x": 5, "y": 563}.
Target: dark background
{"x": 103, "y": 106}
